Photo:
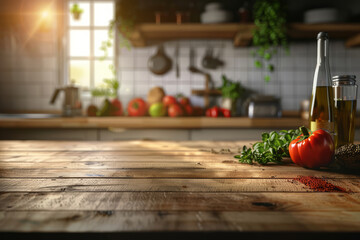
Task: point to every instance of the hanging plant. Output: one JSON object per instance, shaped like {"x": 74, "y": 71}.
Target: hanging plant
{"x": 76, "y": 11}
{"x": 125, "y": 18}
{"x": 269, "y": 33}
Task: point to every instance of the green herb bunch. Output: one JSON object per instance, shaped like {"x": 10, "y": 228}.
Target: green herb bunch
{"x": 269, "y": 32}
{"x": 274, "y": 146}
{"x": 230, "y": 89}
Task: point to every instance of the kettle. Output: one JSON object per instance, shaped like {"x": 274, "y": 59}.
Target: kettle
{"x": 72, "y": 103}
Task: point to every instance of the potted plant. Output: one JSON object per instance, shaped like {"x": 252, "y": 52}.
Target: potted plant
{"x": 269, "y": 32}
{"x": 76, "y": 11}
{"x": 231, "y": 93}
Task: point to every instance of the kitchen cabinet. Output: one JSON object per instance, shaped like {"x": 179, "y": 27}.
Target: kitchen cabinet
{"x": 241, "y": 34}
{"x": 165, "y": 190}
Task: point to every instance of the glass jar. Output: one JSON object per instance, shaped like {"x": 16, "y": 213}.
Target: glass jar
{"x": 345, "y": 95}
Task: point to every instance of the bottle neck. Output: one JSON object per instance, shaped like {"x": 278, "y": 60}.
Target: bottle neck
{"x": 323, "y": 52}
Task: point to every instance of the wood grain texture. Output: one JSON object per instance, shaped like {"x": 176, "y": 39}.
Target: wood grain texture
{"x": 163, "y": 185}
{"x": 180, "y": 201}
{"x": 140, "y": 186}
{"x": 198, "y": 221}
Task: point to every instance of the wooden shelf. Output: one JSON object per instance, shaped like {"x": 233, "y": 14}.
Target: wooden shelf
{"x": 144, "y": 34}
{"x": 241, "y": 34}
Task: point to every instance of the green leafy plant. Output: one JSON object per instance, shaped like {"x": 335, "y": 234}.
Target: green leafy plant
{"x": 269, "y": 32}
{"x": 109, "y": 87}
{"x": 273, "y": 147}
{"x": 230, "y": 89}
{"x": 125, "y": 18}
{"x": 76, "y": 11}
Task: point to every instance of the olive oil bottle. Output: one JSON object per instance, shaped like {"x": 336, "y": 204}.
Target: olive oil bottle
{"x": 345, "y": 95}
{"x": 321, "y": 115}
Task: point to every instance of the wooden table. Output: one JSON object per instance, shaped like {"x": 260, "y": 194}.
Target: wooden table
{"x": 165, "y": 190}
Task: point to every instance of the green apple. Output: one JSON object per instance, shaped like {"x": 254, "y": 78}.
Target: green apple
{"x": 157, "y": 110}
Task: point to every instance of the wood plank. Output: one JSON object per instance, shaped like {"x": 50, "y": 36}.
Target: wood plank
{"x": 121, "y": 158}
{"x": 8, "y": 146}
{"x": 167, "y": 185}
{"x": 176, "y": 201}
{"x": 253, "y": 172}
{"x": 125, "y": 221}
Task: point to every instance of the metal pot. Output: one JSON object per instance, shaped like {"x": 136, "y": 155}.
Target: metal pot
{"x": 72, "y": 103}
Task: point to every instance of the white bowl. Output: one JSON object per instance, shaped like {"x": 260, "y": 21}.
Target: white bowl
{"x": 321, "y": 15}
{"x": 218, "y": 16}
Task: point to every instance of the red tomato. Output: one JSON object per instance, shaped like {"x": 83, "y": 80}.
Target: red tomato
{"x": 175, "y": 110}
{"x": 207, "y": 113}
{"x": 168, "y": 100}
{"x": 215, "y": 112}
{"x": 137, "y": 107}
{"x": 184, "y": 101}
{"x": 312, "y": 151}
{"x": 117, "y": 109}
{"x": 188, "y": 110}
{"x": 226, "y": 112}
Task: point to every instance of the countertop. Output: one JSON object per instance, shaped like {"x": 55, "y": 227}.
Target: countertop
{"x": 145, "y": 189}
{"x": 153, "y": 122}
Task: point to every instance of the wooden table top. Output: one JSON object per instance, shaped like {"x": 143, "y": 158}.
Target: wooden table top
{"x": 163, "y": 187}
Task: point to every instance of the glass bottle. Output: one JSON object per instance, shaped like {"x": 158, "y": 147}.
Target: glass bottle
{"x": 345, "y": 92}
{"x": 321, "y": 115}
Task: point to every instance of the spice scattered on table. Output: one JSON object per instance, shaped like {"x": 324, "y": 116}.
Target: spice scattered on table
{"x": 319, "y": 185}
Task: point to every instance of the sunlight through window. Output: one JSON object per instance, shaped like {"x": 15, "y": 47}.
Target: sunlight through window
{"x": 87, "y": 28}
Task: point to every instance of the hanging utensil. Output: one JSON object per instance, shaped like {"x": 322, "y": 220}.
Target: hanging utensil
{"x": 159, "y": 63}
{"x": 177, "y": 60}
{"x": 210, "y": 61}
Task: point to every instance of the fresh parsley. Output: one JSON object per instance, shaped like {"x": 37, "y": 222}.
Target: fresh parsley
{"x": 273, "y": 147}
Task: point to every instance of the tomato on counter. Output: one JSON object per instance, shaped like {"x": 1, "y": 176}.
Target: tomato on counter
{"x": 226, "y": 112}
{"x": 117, "y": 109}
{"x": 168, "y": 100}
{"x": 312, "y": 151}
{"x": 137, "y": 107}
{"x": 184, "y": 101}
{"x": 175, "y": 110}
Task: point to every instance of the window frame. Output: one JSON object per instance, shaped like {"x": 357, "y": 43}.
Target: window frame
{"x": 91, "y": 58}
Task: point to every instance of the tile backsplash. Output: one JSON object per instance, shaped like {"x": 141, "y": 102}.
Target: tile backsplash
{"x": 292, "y": 80}
{"x": 28, "y": 76}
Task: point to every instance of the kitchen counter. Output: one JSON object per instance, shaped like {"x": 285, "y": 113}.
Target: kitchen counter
{"x": 151, "y": 122}
{"x": 165, "y": 190}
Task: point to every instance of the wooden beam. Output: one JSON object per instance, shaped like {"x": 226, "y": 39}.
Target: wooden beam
{"x": 353, "y": 41}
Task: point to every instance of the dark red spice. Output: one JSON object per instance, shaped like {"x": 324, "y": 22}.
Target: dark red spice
{"x": 319, "y": 185}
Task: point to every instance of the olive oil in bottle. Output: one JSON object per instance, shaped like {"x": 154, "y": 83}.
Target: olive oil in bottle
{"x": 345, "y": 95}
{"x": 321, "y": 115}
{"x": 345, "y": 121}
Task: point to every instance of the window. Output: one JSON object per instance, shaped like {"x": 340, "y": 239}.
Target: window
{"x": 84, "y": 60}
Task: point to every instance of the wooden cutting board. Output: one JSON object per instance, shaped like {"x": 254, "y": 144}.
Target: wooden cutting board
{"x": 171, "y": 188}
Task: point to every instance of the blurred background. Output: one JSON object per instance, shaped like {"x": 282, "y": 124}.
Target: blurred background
{"x": 94, "y": 50}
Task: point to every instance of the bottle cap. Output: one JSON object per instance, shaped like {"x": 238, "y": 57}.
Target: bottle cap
{"x": 322, "y": 35}
{"x": 344, "y": 79}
